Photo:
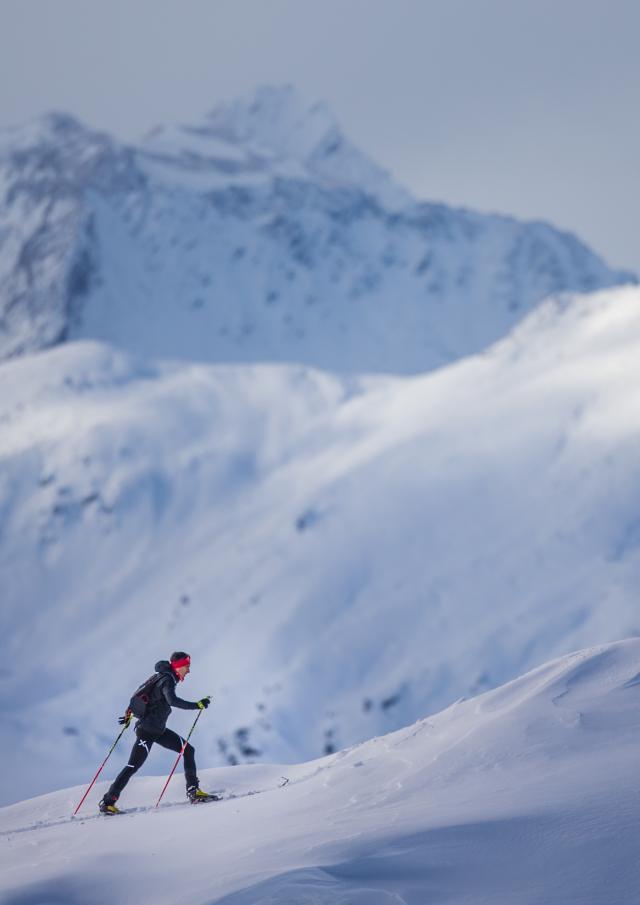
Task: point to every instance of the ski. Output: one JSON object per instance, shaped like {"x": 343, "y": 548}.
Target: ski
{"x": 206, "y": 798}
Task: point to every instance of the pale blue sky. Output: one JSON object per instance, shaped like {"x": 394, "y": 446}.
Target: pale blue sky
{"x": 529, "y": 107}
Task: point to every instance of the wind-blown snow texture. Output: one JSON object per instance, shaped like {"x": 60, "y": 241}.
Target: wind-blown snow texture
{"x": 340, "y": 556}
{"x": 527, "y": 794}
{"x": 259, "y": 234}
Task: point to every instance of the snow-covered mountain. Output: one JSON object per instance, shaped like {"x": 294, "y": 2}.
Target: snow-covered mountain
{"x": 339, "y": 555}
{"x": 260, "y": 234}
{"x": 527, "y": 794}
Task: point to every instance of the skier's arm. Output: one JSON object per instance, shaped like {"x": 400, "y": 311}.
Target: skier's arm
{"x": 173, "y": 700}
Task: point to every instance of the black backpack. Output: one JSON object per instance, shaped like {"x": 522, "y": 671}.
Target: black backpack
{"x": 140, "y": 697}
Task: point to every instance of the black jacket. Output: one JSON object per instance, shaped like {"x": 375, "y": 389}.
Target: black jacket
{"x": 162, "y": 698}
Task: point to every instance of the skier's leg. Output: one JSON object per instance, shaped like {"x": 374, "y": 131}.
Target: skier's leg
{"x": 170, "y": 739}
{"x": 139, "y": 754}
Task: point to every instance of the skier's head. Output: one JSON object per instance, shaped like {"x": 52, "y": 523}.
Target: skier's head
{"x": 180, "y": 663}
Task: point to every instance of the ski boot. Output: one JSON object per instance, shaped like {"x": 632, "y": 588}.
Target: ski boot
{"x": 108, "y": 806}
{"x": 197, "y": 796}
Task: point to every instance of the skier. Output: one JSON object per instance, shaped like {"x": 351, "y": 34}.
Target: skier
{"x": 159, "y": 696}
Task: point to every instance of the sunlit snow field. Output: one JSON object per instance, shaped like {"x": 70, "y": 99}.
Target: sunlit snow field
{"x": 525, "y": 794}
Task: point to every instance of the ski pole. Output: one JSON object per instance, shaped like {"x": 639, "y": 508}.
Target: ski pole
{"x": 100, "y": 769}
{"x": 178, "y": 757}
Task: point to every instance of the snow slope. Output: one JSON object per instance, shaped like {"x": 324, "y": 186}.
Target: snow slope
{"x": 259, "y": 234}
{"x": 340, "y": 556}
{"x": 525, "y": 794}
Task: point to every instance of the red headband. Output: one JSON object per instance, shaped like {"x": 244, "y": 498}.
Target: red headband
{"x": 176, "y": 664}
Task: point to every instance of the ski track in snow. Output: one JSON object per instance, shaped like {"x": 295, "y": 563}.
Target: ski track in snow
{"x": 131, "y": 812}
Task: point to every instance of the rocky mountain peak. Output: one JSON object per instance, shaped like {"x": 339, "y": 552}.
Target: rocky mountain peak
{"x": 278, "y": 132}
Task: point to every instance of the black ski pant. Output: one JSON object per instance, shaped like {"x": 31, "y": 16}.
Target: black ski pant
{"x": 140, "y": 752}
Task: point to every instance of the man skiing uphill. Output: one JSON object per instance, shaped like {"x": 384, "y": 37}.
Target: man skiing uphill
{"x": 152, "y": 704}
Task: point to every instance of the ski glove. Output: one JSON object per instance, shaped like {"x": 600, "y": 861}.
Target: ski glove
{"x": 126, "y": 719}
{"x": 204, "y": 703}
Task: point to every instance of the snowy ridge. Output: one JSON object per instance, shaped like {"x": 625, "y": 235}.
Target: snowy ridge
{"x": 259, "y": 234}
{"x": 340, "y": 556}
{"x": 525, "y": 794}
{"x": 276, "y": 133}
{"x": 47, "y": 170}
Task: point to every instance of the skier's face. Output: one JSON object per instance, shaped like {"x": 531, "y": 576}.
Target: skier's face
{"x": 183, "y": 671}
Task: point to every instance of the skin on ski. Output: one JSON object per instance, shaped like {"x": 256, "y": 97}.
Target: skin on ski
{"x": 123, "y": 812}
{"x": 169, "y": 804}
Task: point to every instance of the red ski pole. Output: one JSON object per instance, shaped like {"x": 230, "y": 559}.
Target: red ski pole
{"x": 100, "y": 770}
{"x": 178, "y": 758}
